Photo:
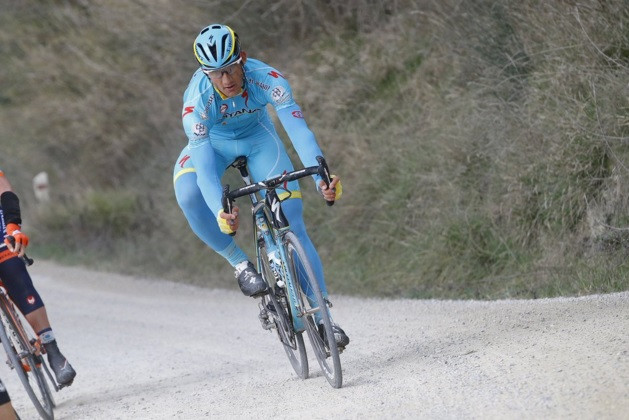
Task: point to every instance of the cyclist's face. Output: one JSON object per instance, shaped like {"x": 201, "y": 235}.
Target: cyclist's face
{"x": 230, "y": 81}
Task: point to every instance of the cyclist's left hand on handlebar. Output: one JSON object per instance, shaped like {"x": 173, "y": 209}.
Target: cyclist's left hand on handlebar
{"x": 21, "y": 240}
{"x": 228, "y": 222}
{"x": 334, "y": 191}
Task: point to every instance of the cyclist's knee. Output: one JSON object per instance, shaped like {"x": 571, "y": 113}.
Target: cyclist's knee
{"x": 188, "y": 194}
{"x": 19, "y": 285}
{"x": 293, "y": 209}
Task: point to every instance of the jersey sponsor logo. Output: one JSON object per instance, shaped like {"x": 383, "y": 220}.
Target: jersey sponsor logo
{"x": 297, "y": 114}
{"x": 210, "y": 101}
{"x": 259, "y": 84}
{"x": 245, "y": 95}
{"x": 240, "y": 112}
{"x": 224, "y": 108}
{"x": 279, "y": 95}
{"x": 184, "y": 160}
{"x": 187, "y": 110}
{"x": 31, "y": 300}
{"x": 199, "y": 130}
{"x": 206, "y": 111}
{"x": 275, "y": 74}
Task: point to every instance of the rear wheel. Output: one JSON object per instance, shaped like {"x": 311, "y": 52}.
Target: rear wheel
{"x": 314, "y": 310}
{"x": 26, "y": 364}
{"x": 275, "y": 306}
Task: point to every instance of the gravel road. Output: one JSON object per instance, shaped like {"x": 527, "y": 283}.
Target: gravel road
{"x": 153, "y": 349}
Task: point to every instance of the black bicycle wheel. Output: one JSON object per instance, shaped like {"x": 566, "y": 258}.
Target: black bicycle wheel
{"x": 277, "y": 309}
{"x": 24, "y": 362}
{"x": 314, "y": 308}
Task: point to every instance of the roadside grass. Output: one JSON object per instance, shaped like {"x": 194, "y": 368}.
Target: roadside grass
{"x": 482, "y": 147}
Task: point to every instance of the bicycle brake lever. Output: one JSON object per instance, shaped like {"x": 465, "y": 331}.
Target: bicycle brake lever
{"x": 324, "y": 173}
{"x": 227, "y": 203}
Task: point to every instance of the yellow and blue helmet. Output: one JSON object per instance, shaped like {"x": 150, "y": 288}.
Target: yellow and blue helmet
{"x": 216, "y": 46}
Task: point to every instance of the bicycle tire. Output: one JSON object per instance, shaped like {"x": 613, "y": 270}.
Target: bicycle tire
{"x": 292, "y": 341}
{"x": 19, "y": 354}
{"x": 305, "y": 282}
{"x": 44, "y": 369}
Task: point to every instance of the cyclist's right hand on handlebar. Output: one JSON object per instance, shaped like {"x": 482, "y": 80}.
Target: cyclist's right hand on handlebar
{"x": 228, "y": 222}
{"x": 21, "y": 240}
{"x": 334, "y": 191}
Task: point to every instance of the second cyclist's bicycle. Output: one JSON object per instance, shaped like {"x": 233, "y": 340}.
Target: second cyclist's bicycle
{"x": 295, "y": 302}
{"x": 25, "y": 357}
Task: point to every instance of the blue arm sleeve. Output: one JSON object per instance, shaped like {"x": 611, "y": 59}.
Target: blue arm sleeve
{"x": 300, "y": 135}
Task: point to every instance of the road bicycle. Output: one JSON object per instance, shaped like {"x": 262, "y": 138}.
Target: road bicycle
{"x": 294, "y": 303}
{"x": 24, "y": 355}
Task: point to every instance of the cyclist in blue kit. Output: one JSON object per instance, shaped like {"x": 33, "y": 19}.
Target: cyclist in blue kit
{"x": 224, "y": 116}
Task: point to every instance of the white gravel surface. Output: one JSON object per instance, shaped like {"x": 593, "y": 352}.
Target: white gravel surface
{"x": 153, "y": 349}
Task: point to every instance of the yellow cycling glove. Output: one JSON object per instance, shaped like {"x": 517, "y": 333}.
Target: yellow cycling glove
{"x": 338, "y": 189}
{"x": 227, "y": 226}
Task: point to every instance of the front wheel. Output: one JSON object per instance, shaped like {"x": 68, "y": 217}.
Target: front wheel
{"x": 313, "y": 309}
{"x": 27, "y": 365}
{"x": 276, "y": 309}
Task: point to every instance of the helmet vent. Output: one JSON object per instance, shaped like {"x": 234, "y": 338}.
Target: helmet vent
{"x": 212, "y": 49}
{"x": 224, "y": 44}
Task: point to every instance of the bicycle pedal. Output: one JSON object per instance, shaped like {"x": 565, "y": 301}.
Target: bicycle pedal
{"x": 39, "y": 349}
{"x": 61, "y": 386}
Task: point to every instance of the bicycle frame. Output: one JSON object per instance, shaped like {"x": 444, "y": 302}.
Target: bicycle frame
{"x": 274, "y": 240}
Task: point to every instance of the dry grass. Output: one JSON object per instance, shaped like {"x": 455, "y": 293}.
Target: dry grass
{"x": 483, "y": 145}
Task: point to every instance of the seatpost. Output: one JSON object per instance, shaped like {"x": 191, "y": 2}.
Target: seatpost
{"x": 241, "y": 164}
